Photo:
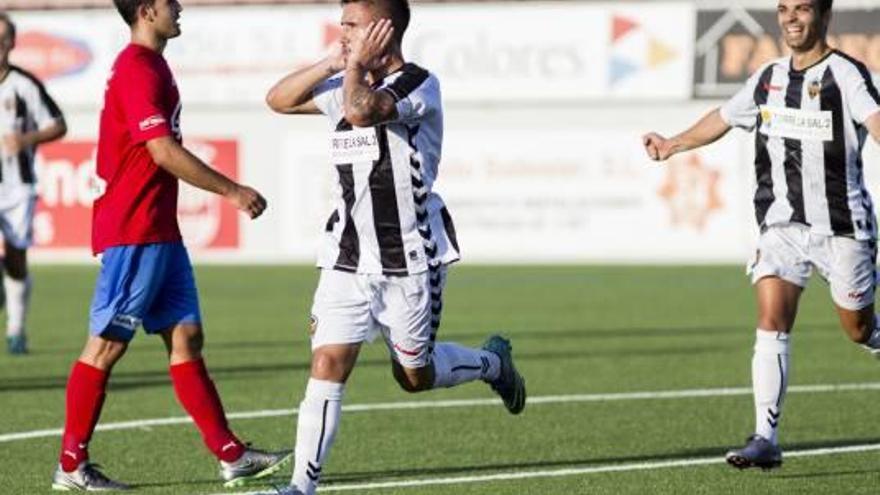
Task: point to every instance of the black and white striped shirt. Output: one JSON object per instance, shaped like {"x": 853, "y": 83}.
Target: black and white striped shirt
{"x": 808, "y": 144}
{"x": 25, "y": 106}
{"x": 387, "y": 219}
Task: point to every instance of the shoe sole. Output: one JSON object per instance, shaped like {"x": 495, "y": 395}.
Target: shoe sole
{"x": 741, "y": 462}
{"x": 274, "y": 468}
{"x": 62, "y": 488}
{"x": 518, "y": 403}
{"x": 519, "y": 398}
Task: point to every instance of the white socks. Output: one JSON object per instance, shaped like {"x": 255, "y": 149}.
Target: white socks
{"x": 455, "y": 364}
{"x": 769, "y": 380}
{"x": 18, "y": 294}
{"x": 319, "y": 414}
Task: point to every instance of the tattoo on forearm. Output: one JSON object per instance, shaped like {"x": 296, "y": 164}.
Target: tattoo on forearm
{"x": 365, "y": 102}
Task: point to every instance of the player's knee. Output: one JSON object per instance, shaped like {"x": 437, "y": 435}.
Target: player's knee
{"x": 16, "y": 272}
{"x": 195, "y": 342}
{"x": 186, "y": 346}
{"x": 327, "y": 366}
{"x": 103, "y": 353}
{"x": 414, "y": 381}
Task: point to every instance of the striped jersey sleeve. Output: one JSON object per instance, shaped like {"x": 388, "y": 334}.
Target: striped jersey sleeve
{"x": 41, "y": 107}
{"x": 742, "y": 109}
{"x": 416, "y": 94}
{"x": 862, "y": 95}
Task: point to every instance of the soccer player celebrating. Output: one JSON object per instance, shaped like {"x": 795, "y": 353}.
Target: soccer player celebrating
{"x": 28, "y": 117}
{"x": 146, "y": 276}
{"x": 812, "y": 112}
{"x": 390, "y": 238}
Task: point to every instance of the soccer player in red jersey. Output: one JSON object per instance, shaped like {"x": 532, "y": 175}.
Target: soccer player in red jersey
{"x": 146, "y": 276}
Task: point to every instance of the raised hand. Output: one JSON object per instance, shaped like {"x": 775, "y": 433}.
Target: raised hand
{"x": 658, "y": 147}
{"x": 367, "y": 48}
{"x": 336, "y": 57}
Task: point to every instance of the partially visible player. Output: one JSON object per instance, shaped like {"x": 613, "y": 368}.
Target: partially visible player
{"x": 812, "y": 112}
{"x": 28, "y": 117}
{"x": 146, "y": 277}
{"x": 389, "y": 241}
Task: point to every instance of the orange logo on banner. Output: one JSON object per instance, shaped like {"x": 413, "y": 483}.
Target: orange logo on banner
{"x": 68, "y": 185}
{"x": 691, "y": 191}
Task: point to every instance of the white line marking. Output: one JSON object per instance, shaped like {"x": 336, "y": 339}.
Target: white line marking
{"x": 385, "y": 406}
{"x": 612, "y": 468}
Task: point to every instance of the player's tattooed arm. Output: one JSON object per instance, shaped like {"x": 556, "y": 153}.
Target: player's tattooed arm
{"x": 364, "y": 106}
{"x": 293, "y": 93}
{"x": 707, "y": 130}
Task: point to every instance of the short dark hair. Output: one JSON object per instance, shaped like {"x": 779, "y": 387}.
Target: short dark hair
{"x": 4, "y": 17}
{"x": 824, "y": 5}
{"x": 128, "y": 9}
{"x": 397, "y": 11}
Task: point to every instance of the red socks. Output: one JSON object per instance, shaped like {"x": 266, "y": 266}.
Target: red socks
{"x": 195, "y": 391}
{"x": 85, "y": 397}
{"x": 197, "y": 395}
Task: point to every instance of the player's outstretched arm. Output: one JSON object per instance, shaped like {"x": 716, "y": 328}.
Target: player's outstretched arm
{"x": 707, "y": 130}
{"x": 293, "y": 93}
{"x": 179, "y": 162}
{"x": 363, "y": 106}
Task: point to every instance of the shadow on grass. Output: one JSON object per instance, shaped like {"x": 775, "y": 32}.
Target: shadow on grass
{"x": 377, "y": 475}
{"x": 128, "y": 380}
{"x": 829, "y": 474}
{"x": 381, "y": 475}
{"x": 517, "y": 335}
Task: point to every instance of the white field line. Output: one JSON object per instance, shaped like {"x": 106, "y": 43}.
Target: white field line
{"x": 612, "y": 468}
{"x": 384, "y": 406}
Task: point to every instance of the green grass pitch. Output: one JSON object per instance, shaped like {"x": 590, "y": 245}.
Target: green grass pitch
{"x": 575, "y": 330}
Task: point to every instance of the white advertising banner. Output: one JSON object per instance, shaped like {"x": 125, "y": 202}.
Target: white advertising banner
{"x": 528, "y": 185}
{"x": 481, "y": 52}
{"x": 559, "y": 195}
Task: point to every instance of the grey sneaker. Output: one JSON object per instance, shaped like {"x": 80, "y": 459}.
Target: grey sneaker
{"x": 16, "y": 344}
{"x": 253, "y": 464}
{"x": 510, "y": 385}
{"x": 758, "y": 452}
{"x": 86, "y": 478}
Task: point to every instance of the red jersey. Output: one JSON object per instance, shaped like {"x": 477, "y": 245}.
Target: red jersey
{"x": 141, "y": 102}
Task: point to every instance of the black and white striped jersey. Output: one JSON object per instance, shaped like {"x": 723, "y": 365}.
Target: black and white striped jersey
{"x": 25, "y": 106}
{"x": 808, "y": 144}
{"x": 387, "y": 219}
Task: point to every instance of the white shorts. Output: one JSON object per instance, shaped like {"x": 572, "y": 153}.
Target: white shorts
{"x": 790, "y": 252}
{"x": 352, "y": 308}
{"x": 17, "y": 223}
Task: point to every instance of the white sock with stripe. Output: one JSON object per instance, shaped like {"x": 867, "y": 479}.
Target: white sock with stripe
{"x": 455, "y": 364}
{"x": 18, "y": 295}
{"x": 769, "y": 380}
{"x": 316, "y": 427}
